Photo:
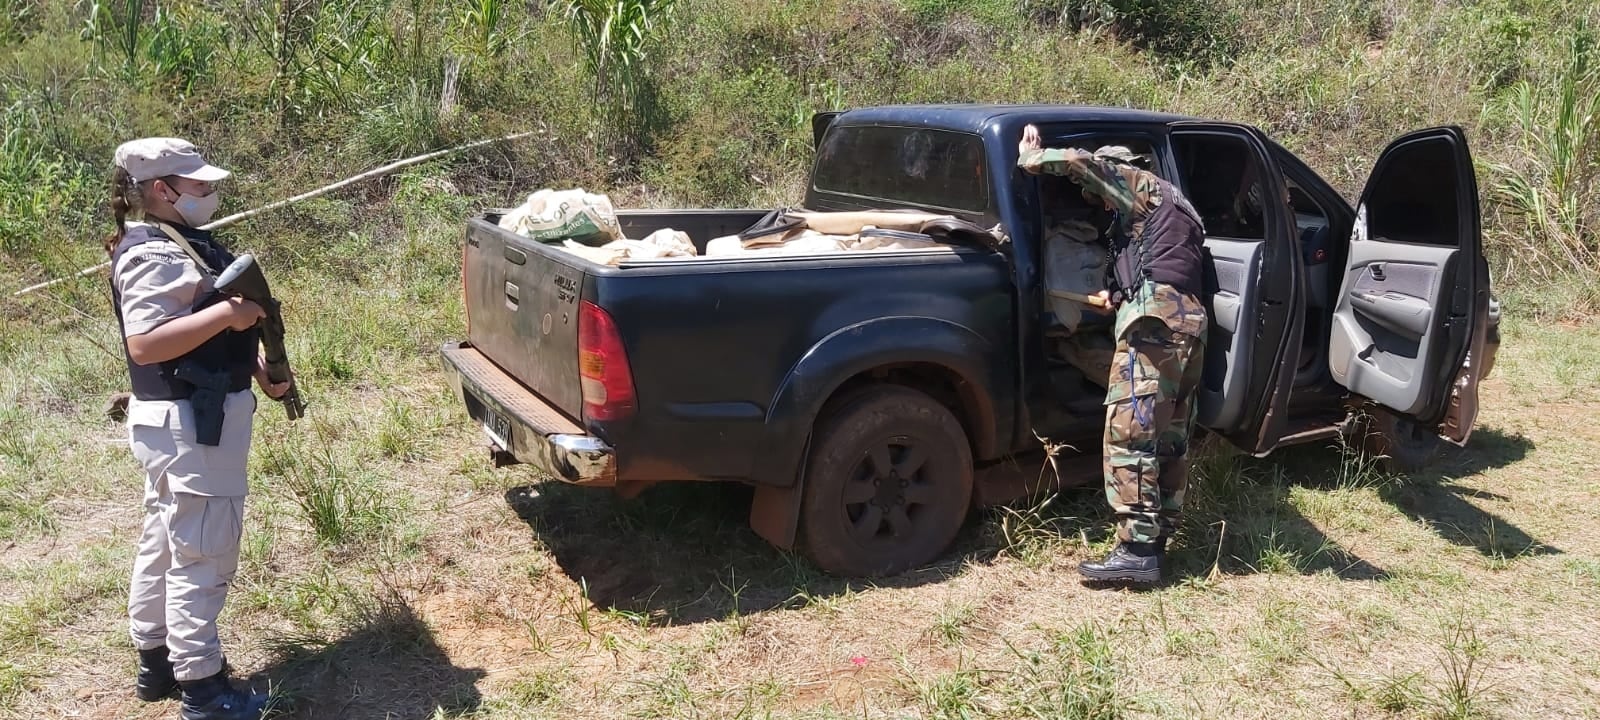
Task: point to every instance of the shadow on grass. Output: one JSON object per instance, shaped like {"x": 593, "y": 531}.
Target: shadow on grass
{"x": 681, "y": 552}
{"x": 1254, "y": 500}
{"x": 685, "y": 553}
{"x": 1436, "y": 497}
{"x": 1239, "y": 519}
{"x": 388, "y": 666}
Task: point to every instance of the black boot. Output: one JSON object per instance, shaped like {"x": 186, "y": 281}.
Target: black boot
{"x": 155, "y": 680}
{"x": 214, "y": 698}
{"x": 1128, "y": 562}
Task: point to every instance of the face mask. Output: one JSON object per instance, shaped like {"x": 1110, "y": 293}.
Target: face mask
{"x": 197, "y": 211}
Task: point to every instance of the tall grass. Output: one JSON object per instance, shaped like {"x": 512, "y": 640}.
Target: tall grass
{"x": 616, "y": 37}
{"x": 707, "y": 102}
{"x": 1553, "y": 189}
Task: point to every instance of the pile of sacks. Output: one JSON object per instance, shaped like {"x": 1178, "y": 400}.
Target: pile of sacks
{"x": 1074, "y": 268}
{"x": 586, "y": 225}
{"x": 784, "y": 232}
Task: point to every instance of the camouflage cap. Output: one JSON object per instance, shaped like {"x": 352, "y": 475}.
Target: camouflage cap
{"x": 1120, "y": 153}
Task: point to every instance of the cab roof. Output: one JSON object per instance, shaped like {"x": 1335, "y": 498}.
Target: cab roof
{"x": 974, "y": 118}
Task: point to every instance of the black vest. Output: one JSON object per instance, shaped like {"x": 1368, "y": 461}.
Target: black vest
{"x": 1169, "y": 250}
{"x": 230, "y": 351}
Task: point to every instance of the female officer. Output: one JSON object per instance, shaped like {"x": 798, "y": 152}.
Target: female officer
{"x": 191, "y": 356}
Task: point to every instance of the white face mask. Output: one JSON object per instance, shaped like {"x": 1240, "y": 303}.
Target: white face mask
{"x": 197, "y": 211}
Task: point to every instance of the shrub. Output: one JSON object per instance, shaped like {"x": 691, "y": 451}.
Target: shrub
{"x": 1552, "y": 194}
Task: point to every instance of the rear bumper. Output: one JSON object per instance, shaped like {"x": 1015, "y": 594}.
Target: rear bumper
{"x": 537, "y": 434}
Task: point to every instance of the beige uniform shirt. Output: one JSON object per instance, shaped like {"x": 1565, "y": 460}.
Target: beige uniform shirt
{"x": 159, "y": 283}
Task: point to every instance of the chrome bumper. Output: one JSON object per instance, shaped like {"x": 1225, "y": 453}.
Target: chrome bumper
{"x": 538, "y": 434}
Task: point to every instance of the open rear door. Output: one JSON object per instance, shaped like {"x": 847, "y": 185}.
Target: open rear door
{"x": 820, "y": 123}
{"x": 1255, "y": 280}
{"x": 1415, "y": 295}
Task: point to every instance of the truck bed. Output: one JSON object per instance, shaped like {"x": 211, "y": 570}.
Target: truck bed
{"x": 713, "y": 340}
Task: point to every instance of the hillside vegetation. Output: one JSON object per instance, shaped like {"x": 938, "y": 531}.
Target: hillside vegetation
{"x": 390, "y": 572}
{"x": 707, "y": 102}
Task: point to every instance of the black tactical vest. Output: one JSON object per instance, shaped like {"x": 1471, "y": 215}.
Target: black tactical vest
{"x": 229, "y": 351}
{"x": 1168, "y": 251}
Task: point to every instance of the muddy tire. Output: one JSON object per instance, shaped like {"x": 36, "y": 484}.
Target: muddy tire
{"x": 887, "y": 483}
{"x": 1398, "y": 444}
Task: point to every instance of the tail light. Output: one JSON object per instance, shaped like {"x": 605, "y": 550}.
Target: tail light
{"x": 603, "y": 366}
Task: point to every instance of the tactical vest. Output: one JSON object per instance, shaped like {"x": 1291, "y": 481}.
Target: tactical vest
{"x": 229, "y": 351}
{"x": 1167, "y": 251}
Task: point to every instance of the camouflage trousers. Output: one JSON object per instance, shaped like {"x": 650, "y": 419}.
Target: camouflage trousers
{"x": 1150, "y": 404}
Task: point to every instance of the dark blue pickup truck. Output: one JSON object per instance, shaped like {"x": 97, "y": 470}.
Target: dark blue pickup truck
{"x": 872, "y": 398}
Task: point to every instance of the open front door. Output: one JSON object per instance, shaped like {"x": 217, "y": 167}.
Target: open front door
{"x": 1255, "y": 280}
{"x": 1416, "y": 290}
{"x": 820, "y": 123}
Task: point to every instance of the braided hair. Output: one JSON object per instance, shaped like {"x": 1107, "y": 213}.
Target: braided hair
{"x": 126, "y": 197}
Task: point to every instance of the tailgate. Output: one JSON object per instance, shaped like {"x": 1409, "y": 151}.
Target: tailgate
{"x": 522, "y": 310}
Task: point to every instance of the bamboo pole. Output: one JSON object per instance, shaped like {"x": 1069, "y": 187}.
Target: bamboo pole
{"x": 231, "y": 219}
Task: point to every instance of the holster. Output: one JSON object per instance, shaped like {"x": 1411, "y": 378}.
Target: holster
{"x": 207, "y": 398}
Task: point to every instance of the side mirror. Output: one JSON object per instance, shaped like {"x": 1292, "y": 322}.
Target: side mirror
{"x": 820, "y": 123}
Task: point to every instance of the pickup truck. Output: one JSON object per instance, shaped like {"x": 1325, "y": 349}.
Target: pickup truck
{"x": 872, "y": 399}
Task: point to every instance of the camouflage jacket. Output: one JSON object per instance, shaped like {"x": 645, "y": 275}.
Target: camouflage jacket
{"x": 1133, "y": 193}
{"x": 1159, "y": 236}
{"x": 1181, "y": 312}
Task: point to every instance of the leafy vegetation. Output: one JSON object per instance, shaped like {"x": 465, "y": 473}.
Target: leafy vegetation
{"x": 390, "y": 571}
{"x": 708, "y": 101}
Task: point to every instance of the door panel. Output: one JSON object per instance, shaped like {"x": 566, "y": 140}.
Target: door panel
{"x": 1232, "y": 306}
{"x": 1385, "y": 319}
{"x": 1255, "y": 280}
{"x": 1414, "y": 289}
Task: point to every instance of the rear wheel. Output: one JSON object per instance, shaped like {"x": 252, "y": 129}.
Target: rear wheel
{"x": 887, "y": 483}
{"x": 1398, "y": 443}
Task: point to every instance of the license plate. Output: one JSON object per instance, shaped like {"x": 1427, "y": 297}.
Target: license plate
{"x": 497, "y": 427}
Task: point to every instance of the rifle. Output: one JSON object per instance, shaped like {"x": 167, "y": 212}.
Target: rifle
{"x": 243, "y": 278}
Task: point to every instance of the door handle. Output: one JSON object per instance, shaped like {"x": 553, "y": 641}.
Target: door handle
{"x": 1377, "y": 272}
{"x": 513, "y": 296}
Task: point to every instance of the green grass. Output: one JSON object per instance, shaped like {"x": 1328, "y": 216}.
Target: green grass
{"x": 953, "y": 623}
{"x": 388, "y": 570}
{"x": 951, "y": 696}
{"x": 1077, "y": 675}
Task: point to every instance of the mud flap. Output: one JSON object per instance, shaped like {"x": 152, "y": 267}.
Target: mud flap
{"x": 775, "y": 511}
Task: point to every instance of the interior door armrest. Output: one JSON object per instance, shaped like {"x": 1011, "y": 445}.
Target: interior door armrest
{"x": 1402, "y": 314}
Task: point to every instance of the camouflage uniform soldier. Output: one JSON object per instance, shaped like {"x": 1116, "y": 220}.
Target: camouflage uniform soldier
{"x": 1155, "y": 280}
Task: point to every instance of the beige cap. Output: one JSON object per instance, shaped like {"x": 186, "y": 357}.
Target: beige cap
{"x": 1119, "y": 153}
{"x": 156, "y": 157}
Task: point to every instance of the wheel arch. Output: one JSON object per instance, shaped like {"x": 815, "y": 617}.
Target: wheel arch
{"x": 946, "y": 361}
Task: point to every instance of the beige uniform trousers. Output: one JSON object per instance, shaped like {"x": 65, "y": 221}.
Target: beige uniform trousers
{"x": 194, "y": 512}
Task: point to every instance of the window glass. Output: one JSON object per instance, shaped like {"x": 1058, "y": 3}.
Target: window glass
{"x": 1222, "y": 178}
{"x": 913, "y": 166}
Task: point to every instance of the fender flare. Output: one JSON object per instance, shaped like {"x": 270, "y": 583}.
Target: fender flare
{"x": 833, "y": 361}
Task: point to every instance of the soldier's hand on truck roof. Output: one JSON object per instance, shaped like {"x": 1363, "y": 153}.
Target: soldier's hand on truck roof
{"x": 1030, "y": 140}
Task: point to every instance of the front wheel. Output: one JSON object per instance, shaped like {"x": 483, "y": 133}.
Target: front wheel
{"x": 1398, "y": 443}
{"x": 887, "y": 483}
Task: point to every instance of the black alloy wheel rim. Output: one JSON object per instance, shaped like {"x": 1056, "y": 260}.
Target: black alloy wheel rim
{"x": 889, "y": 492}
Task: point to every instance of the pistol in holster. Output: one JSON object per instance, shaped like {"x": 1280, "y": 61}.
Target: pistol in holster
{"x": 207, "y": 398}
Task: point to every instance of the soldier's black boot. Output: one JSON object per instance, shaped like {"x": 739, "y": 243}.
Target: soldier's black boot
{"x": 155, "y": 680}
{"x": 214, "y": 698}
{"x": 1128, "y": 562}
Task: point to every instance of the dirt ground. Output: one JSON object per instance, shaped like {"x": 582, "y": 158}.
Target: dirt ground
{"x": 1309, "y": 584}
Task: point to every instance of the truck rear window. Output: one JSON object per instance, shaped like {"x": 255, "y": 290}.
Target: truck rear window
{"x": 910, "y": 166}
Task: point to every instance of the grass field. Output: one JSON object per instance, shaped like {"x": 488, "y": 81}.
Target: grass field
{"x": 389, "y": 572}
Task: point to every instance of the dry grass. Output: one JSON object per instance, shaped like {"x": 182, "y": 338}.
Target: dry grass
{"x": 454, "y": 590}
